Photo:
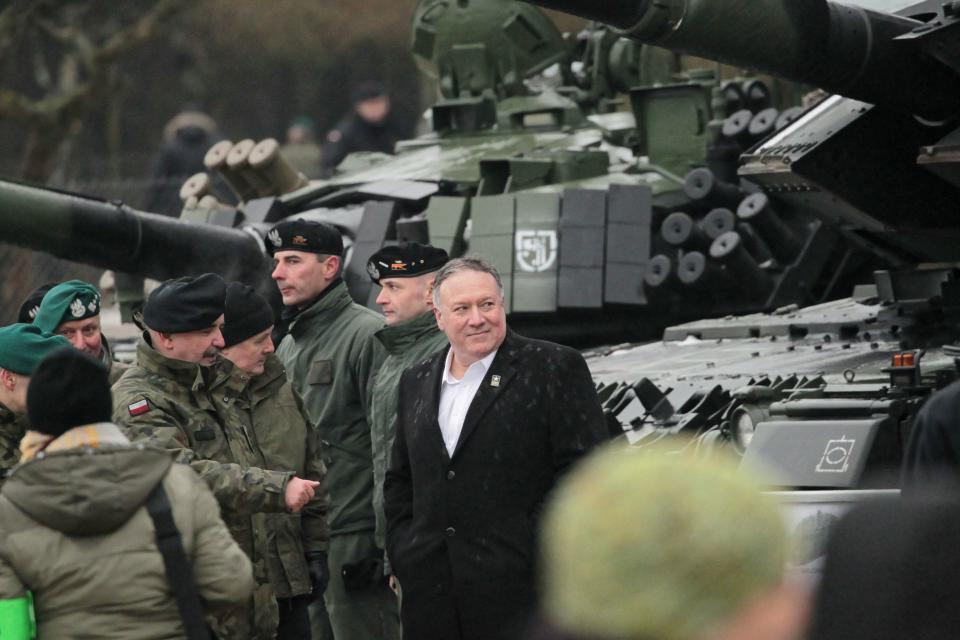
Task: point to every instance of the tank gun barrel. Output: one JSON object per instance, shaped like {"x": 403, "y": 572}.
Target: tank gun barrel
{"x": 843, "y": 49}
{"x": 115, "y": 236}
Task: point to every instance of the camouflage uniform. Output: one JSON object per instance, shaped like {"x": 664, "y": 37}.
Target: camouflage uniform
{"x": 330, "y": 355}
{"x": 12, "y": 428}
{"x": 281, "y": 440}
{"x": 170, "y": 404}
{"x": 406, "y": 343}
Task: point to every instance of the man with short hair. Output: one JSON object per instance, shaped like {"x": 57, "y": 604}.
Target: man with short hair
{"x": 72, "y": 309}
{"x": 167, "y": 400}
{"x": 295, "y": 544}
{"x": 76, "y": 529}
{"x": 330, "y": 354}
{"x": 484, "y": 430}
{"x": 405, "y": 275}
{"x": 22, "y": 347}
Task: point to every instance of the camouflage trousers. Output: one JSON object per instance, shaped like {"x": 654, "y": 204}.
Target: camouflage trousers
{"x": 258, "y": 619}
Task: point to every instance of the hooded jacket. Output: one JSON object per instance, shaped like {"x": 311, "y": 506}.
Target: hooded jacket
{"x": 74, "y": 530}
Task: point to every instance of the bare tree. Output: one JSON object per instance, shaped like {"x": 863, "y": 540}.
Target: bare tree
{"x": 60, "y": 59}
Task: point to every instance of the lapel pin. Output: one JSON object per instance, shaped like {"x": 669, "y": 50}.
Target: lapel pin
{"x": 494, "y": 381}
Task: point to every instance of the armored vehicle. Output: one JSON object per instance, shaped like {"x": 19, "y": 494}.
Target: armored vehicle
{"x": 593, "y": 170}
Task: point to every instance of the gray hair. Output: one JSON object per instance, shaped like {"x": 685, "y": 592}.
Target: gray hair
{"x": 457, "y": 265}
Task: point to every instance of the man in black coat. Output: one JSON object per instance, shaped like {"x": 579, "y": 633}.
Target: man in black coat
{"x": 484, "y": 430}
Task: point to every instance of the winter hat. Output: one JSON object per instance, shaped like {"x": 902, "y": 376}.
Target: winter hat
{"x": 655, "y": 545}
{"x": 245, "y": 315}
{"x": 68, "y": 389}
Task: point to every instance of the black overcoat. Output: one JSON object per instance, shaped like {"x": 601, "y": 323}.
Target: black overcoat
{"x": 461, "y": 528}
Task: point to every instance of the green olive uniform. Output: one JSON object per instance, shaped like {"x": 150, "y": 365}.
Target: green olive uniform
{"x": 330, "y": 355}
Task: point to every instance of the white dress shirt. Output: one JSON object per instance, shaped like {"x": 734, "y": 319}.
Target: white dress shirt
{"x": 456, "y": 396}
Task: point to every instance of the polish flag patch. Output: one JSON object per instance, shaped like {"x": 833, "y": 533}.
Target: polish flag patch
{"x": 138, "y": 408}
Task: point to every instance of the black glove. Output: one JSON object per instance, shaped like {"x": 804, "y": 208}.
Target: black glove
{"x": 319, "y": 572}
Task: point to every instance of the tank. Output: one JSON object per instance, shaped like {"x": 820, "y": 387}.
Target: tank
{"x": 558, "y": 157}
{"x": 824, "y": 396}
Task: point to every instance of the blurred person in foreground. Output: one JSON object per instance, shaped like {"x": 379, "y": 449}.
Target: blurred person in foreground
{"x": 75, "y": 530}
{"x": 641, "y": 545}
{"x": 892, "y": 571}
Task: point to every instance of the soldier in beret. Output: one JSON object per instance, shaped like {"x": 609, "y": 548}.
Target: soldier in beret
{"x": 170, "y": 400}
{"x": 30, "y": 306}
{"x": 294, "y": 545}
{"x": 22, "y": 347}
{"x": 331, "y": 354}
{"x": 72, "y": 309}
{"x": 405, "y": 275}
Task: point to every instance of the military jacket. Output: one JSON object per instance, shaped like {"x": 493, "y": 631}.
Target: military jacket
{"x": 189, "y": 410}
{"x": 115, "y": 367}
{"x": 330, "y": 355}
{"x": 282, "y": 440}
{"x": 12, "y": 428}
{"x": 406, "y": 344}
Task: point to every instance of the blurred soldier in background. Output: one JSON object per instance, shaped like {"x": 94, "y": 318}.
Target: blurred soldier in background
{"x": 405, "y": 275}
{"x": 168, "y": 401}
{"x": 22, "y": 347}
{"x": 331, "y": 354}
{"x": 72, "y": 309}
{"x": 368, "y": 127}
{"x": 301, "y": 148}
{"x": 186, "y": 139}
{"x": 640, "y": 544}
{"x": 295, "y": 545}
{"x": 75, "y": 529}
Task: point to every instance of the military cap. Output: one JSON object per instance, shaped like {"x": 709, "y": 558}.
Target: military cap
{"x": 31, "y": 304}
{"x": 185, "y": 304}
{"x": 650, "y": 545}
{"x": 23, "y": 346}
{"x": 406, "y": 261}
{"x": 305, "y": 235}
{"x": 70, "y": 300}
{"x": 245, "y": 314}
{"x": 68, "y": 389}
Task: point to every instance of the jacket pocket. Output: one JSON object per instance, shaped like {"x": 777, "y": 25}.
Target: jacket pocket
{"x": 321, "y": 372}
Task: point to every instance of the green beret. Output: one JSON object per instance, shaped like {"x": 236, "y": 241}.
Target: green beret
{"x": 640, "y": 544}
{"x": 23, "y": 346}
{"x": 406, "y": 261}
{"x": 71, "y": 300}
{"x": 305, "y": 235}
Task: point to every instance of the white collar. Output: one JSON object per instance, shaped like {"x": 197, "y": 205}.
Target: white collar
{"x": 484, "y": 364}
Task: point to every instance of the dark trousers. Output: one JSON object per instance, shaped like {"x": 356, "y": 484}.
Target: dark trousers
{"x": 294, "y": 618}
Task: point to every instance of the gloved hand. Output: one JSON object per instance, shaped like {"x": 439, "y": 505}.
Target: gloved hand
{"x": 319, "y": 572}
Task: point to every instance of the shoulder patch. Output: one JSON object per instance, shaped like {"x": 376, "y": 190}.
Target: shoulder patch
{"x": 139, "y": 408}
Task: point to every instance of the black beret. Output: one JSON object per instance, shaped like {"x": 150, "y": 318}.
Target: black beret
{"x": 68, "y": 389}
{"x": 185, "y": 304}
{"x": 406, "y": 261}
{"x": 31, "y": 305}
{"x": 245, "y": 314}
{"x": 305, "y": 235}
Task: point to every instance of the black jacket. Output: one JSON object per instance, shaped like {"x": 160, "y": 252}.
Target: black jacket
{"x": 461, "y": 529}
{"x": 933, "y": 451}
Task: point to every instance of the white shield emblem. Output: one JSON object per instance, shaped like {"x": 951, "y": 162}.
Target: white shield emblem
{"x": 76, "y": 308}
{"x": 536, "y": 249}
{"x": 274, "y": 238}
{"x": 373, "y": 271}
